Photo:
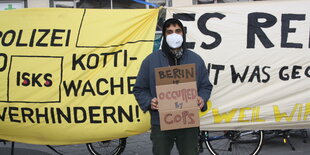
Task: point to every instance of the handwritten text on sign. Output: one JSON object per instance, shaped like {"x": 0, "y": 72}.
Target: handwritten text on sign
{"x": 177, "y": 95}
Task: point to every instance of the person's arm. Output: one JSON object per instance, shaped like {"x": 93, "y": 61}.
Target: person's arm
{"x": 204, "y": 86}
{"x": 141, "y": 89}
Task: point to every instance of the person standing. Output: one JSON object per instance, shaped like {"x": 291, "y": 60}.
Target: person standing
{"x": 173, "y": 52}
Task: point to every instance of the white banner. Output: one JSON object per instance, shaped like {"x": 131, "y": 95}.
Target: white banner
{"x": 258, "y": 56}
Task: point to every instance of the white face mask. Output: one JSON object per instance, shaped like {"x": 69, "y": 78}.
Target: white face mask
{"x": 174, "y": 40}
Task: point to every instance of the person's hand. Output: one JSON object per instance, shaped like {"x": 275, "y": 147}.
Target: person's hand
{"x": 154, "y": 104}
{"x": 200, "y": 102}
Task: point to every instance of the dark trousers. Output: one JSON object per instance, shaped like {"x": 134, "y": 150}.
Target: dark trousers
{"x": 186, "y": 141}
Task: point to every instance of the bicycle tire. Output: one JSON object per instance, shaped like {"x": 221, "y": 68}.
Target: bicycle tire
{"x": 110, "y": 147}
{"x": 234, "y": 142}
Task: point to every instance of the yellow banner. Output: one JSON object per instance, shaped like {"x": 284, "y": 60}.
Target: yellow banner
{"x": 66, "y": 75}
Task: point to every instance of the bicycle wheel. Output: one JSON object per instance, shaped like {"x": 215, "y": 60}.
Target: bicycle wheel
{"x": 110, "y": 147}
{"x": 234, "y": 142}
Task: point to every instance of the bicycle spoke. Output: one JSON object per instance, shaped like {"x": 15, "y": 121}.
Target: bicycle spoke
{"x": 112, "y": 147}
{"x": 234, "y": 142}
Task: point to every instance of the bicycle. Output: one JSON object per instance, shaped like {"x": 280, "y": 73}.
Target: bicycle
{"x": 110, "y": 147}
{"x": 13, "y": 147}
{"x": 232, "y": 142}
{"x": 285, "y": 135}
{"x": 239, "y": 142}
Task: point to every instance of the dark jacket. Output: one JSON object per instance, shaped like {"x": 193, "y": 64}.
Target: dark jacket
{"x": 145, "y": 90}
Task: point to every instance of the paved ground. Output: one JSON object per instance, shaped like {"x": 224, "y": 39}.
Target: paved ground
{"x": 141, "y": 145}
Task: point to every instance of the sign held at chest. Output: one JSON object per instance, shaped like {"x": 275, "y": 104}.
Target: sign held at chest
{"x": 177, "y": 96}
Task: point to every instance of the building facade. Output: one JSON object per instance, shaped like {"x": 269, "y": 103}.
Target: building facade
{"x": 105, "y": 4}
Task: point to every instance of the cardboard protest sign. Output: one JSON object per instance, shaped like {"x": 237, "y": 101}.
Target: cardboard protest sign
{"x": 177, "y": 96}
